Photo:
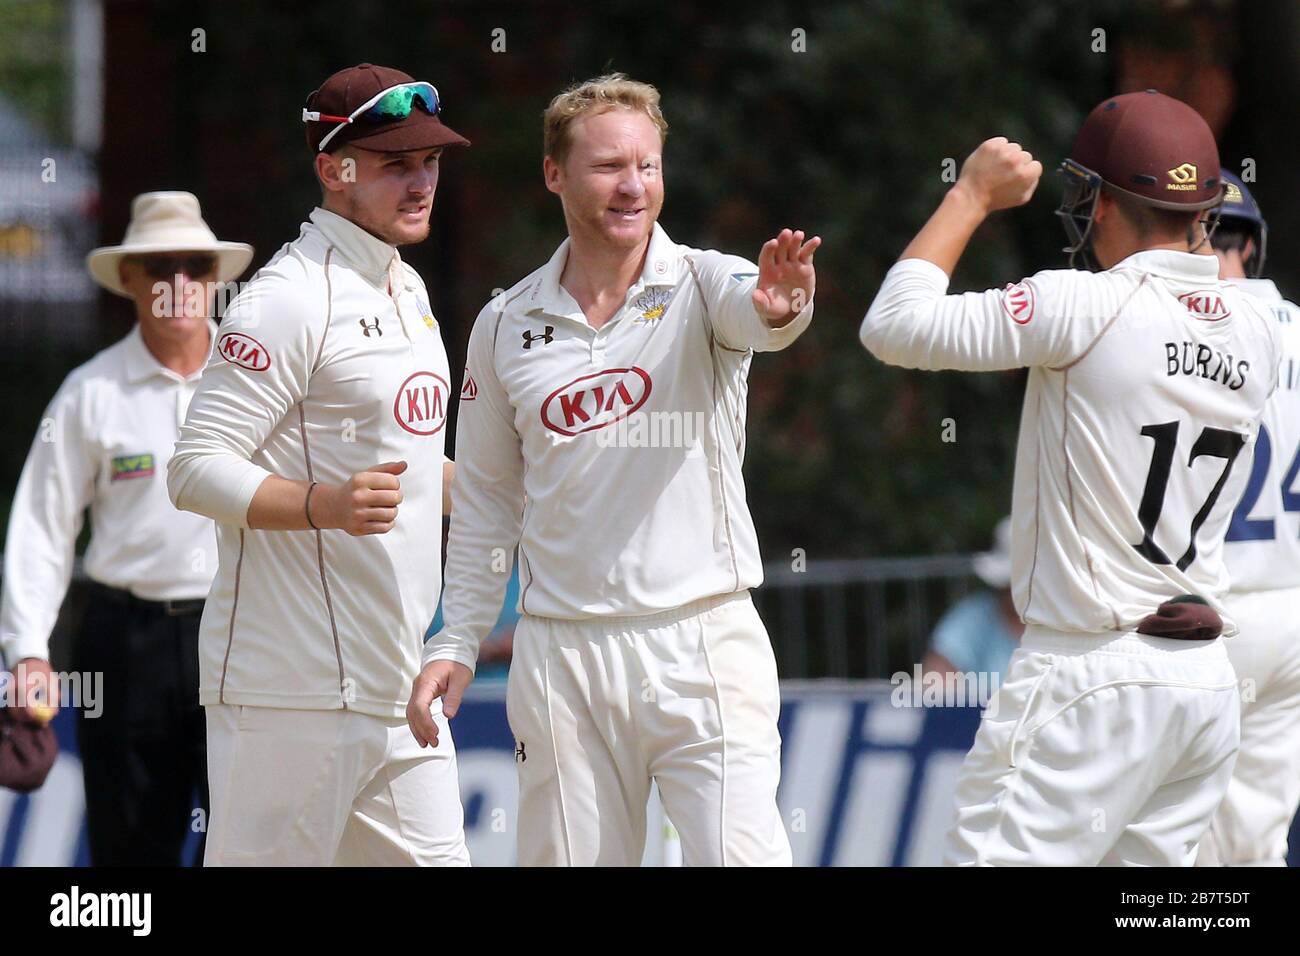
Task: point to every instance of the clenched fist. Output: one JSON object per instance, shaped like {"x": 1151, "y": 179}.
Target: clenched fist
{"x": 1000, "y": 174}
{"x": 364, "y": 504}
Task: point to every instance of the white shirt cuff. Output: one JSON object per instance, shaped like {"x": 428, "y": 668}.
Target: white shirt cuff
{"x": 440, "y": 648}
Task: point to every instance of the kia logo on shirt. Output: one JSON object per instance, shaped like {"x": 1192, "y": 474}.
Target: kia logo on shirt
{"x": 593, "y": 401}
{"x": 421, "y": 404}
{"x": 244, "y": 351}
{"x": 1205, "y": 304}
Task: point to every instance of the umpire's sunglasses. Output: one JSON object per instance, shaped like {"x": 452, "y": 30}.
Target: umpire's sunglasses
{"x": 394, "y": 103}
{"x": 167, "y": 267}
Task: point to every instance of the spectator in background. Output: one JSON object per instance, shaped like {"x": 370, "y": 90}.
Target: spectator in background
{"x": 103, "y": 444}
{"x": 979, "y": 633}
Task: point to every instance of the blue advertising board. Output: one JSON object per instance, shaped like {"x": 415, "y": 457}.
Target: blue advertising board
{"x": 864, "y": 782}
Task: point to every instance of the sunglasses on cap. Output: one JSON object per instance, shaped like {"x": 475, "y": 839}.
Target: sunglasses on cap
{"x": 394, "y": 103}
{"x": 167, "y": 267}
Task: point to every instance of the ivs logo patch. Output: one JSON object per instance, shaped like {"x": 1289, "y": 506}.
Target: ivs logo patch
{"x": 421, "y": 403}
{"x": 594, "y": 401}
{"x": 469, "y": 391}
{"x": 132, "y": 466}
{"x": 1205, "y": 304}
{"x": 244, "y": 351}
{"x": 1018, "y": 302}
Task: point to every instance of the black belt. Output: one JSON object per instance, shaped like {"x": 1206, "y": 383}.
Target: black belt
{"x": 179, "y": 608}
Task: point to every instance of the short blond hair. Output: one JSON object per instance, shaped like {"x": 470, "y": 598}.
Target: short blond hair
{"x": 598, "y": 95}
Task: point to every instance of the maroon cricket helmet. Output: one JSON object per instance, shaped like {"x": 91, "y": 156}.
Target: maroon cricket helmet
{"x": 347, "y": 90}
{"x": 1154, "y": 147}
{"x": 1147, "y": 146}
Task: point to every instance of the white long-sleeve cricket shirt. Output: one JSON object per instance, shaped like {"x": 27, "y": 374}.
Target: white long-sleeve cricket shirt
{"x": 611, "y": 457}
{"x": 328, "y": 363}
{"x": 1146, "y": 386}
{"x": 1263, "y": 543}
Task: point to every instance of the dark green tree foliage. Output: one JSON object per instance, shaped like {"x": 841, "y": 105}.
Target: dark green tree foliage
{"x": 846, "y": 139}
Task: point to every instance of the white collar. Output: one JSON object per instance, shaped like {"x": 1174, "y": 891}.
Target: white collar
{"x": 1265, "y": 289}
{"x": 662, "y": 266}
{"x": 367, "y": 254}
{"x": 1171, "y": 264}
{"x": 141, "y": 364}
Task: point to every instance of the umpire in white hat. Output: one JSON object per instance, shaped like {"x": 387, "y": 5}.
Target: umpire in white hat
{"x": 103, "y": 445}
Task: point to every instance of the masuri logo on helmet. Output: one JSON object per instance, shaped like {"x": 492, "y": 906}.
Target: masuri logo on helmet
{"x": 1184, "y": 177}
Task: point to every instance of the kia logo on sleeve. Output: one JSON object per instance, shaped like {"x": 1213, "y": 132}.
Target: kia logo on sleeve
{"x": 1018, "y": 302}
{"x": 244, "y": 351}
{"x": 421, "y": 403}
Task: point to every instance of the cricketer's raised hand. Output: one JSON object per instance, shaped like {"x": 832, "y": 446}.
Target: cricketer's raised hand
{"x": 786, "y": 277}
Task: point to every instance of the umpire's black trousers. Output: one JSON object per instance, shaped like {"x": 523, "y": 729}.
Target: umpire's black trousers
{"x": 145, "y": 756}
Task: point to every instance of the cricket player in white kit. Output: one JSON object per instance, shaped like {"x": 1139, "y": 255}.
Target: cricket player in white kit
{"x": 329, "y": 382}
{"x": 1263, "y": 556}
{"x": 1106, "y": 743}
{"x": 601, "y": 432}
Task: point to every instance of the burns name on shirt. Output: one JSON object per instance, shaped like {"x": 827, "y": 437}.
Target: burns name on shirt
{"x": 1196, "y": 358}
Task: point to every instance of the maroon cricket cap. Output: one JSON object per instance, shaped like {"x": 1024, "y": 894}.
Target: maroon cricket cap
{"x": 1154, "y": 147}
{"x": 348, "y": 89}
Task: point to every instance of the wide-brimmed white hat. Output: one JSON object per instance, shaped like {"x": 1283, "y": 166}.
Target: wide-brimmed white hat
{"x": 994, "y": 566}
{"x": 167, "y": 222}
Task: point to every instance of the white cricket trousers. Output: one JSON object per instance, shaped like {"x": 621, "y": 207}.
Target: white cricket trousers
{"x": 1250, "y": 827}
{"x": 329, "y": 787}
{"x": 687, "y": 698}
{"x": 1098, "y": 749}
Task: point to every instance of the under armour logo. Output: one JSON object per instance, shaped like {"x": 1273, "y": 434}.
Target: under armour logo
{"x": 520, "y": 756}
{"x": 371, "y": 328}
{"x": 546, "y": 337}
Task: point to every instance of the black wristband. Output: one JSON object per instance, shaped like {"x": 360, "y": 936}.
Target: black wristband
{"x": 307, "y": 505}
